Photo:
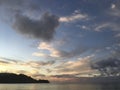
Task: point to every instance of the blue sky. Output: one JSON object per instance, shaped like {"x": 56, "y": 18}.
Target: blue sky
{"x": 44, "y": 37}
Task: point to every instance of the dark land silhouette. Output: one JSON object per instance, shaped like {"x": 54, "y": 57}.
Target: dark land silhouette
{"x": 10, "y": 78}
{"x": 18, "y": 78}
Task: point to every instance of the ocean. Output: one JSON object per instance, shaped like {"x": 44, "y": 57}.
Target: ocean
{"x": 59, "y": 87}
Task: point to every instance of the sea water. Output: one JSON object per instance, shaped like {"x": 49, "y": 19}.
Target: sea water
{"x": 59, "y": 87}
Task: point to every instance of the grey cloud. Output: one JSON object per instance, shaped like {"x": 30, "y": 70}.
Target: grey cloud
{"x": 48, "y": 70}
{"x": 64, "y": 76}
{"x": 4, "y": 62}
{"x": 39, "y": 75}
{"x": 43, "y": 28}
{"x": 19, "y": 4}
{"x": 73, "y": 53}
{"x": 22, "y": 13}
{"x": 107, "y": 67}
{"x": 108, "y": 25}
{"x": 11, "y": 2}
{"x": 22, "y": 71}
{"x": 47, "y": 63}
{"x": 107, "y": 63}
{"x": 8, "y": 60}
{"x": 38, "y": 64}
{"x": 12, "y": 6}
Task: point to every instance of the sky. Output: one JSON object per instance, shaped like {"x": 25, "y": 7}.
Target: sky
{"x": 60, "y": 40}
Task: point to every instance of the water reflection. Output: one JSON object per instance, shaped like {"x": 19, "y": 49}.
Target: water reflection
{"x": 59, "y": 87}
{"x": 113, "y": 86}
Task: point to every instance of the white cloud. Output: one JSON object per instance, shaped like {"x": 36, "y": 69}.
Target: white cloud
{"x": 113, "y": 6}
{"x": 40, "y": 54}
{"x": 74, "y": 17}
{"x": 44, "y": 46}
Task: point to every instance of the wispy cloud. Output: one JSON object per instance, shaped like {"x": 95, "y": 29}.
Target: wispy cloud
{"x": 49, "y": 47}
{"x": 80, "y": 65}
{"x": 74, "y": 17}
{"x": 52, "y": 51}
{"x": 55, "y": 53}
{"x": 108, "y": 25}
{"x": 26, "y": 67}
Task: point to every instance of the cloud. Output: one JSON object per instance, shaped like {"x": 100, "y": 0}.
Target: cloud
{"x": 38, "y": 75}
{"x": 9, "y": 8}
{"x": 55, "y": 53}
{"x": 12, "y": 3}
{"x": 19, "y": 5}
{"x": 29, "y": 20}
{"x": 107, "y": 67}
{"x": 38, "y": 64}
{"x": 108, "y": 25}
{"x": 8, "y": 60}
{"x": 82, "y": 65}
{"x": 64, "y": 76}
{"x": 115, "y": 9}
{"x": 117, "y": 35}
{"x": 44, "y": 28}
{"x": 36, "y": 69}
{"x": 74, "y": 17}
{"x": 115, "y": 12}
{"x": 39, "y": 54}
{"x": 106, "y": 63}
{"x": 113, "y": 6}
{"x": 4, "y": 62}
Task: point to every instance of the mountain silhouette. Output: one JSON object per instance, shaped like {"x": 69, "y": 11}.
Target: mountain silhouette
{"x": 18, "y": 78}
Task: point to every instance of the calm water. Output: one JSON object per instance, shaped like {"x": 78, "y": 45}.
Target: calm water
{"x": 58, "y": 87}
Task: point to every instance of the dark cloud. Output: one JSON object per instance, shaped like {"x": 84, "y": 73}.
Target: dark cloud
{"x": 106, "y": 63}
{"x": 107, "y": 67}
{"x": 43, "y": 28}
{"x": 22, "y": 13}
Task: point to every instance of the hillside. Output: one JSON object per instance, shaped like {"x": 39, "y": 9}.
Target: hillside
{"x": 21, "y": 78}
